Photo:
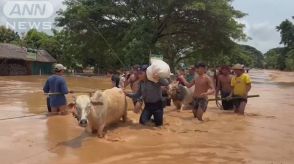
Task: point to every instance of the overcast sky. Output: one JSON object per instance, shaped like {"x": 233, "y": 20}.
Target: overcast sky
{"x": 261, "y": 21}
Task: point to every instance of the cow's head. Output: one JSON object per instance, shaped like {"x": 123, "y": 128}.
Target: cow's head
{"x": 81, "y": 107}
{"x": 173, "y": 89}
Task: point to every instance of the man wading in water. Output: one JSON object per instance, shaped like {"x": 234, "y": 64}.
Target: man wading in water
{"x": 241, "y": 85}
{"x": 203, "y": 87}
{"x": 224, "y": 87}
{"x": 133, "y": 79}
{"x": 151, "y": 94}
{"x": 57, "y": 84}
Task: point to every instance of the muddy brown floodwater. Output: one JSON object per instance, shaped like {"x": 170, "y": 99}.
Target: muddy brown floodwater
{"x": 264, "y": 135}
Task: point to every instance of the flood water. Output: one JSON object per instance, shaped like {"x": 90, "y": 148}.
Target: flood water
{"x": 264, "y": 135}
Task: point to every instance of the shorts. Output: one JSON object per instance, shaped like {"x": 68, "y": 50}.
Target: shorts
{"x": 238, "y": 101}
{"x": 227, "y": 104}
{"x": 200, "y": 103}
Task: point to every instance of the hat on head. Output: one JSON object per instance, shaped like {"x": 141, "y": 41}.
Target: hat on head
{"x": 238, "y": 67}
{"x": 59, "y": 67}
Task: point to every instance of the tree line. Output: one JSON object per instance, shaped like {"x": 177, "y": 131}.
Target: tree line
{"x": 115, "y": 34}
{"x": 282, "y": 57}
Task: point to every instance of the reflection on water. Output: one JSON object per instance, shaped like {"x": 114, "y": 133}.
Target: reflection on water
{"x": 264, "y": 135}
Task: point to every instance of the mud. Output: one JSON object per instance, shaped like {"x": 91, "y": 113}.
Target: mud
{"x": 263, "y": 135}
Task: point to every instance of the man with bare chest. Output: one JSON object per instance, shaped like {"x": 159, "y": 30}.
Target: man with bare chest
{"x": 133, "y": 80}
{"x": 203, "y": 87}
{"x": 224, "y": 87}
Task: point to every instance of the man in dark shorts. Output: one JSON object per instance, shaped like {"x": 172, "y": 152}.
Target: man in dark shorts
{"x": 200, "y": 103}
{"x": 203, "y": 87}
{"x": 224, "y": 87}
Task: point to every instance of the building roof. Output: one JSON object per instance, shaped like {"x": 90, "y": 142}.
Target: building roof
{"x": 10, "y": 51}
{"x": 44, "y": 56}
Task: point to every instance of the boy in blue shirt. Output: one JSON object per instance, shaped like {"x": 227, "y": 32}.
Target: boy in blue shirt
{"x": 57, "y": 84}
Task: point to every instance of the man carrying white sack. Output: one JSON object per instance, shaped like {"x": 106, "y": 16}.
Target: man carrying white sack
{"x": 151, "y": 94}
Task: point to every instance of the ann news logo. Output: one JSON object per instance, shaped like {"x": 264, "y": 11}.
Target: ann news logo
{"x": 28, "y": 14}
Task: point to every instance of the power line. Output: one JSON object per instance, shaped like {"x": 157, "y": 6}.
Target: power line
{"x": 106, "y": 42}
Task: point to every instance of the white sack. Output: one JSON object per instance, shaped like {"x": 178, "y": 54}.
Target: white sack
{"x": 158, "y": 67}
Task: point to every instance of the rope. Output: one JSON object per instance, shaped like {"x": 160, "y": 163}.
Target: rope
{"x": 17, "y": 117}
{"x": 73, "y": 92}
{"x": 107, "y": 43}
{"x": 25, "y": 116}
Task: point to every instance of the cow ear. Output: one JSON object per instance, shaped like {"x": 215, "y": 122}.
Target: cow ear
{"x": 90, "y": 94}
{"x": 72, "y": 106}
{"x": 97, "y": 98}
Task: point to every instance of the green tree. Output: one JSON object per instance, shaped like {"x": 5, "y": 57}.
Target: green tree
{"x": 286, "y": 28}
{"x": 284, "y": 57}
{"x": 8, "y": 35}
{"x": 272, "y": 58}
{"x": 290, "y": 60}
{"x": 257, "y": 58}
{"x": 126, "y": 31}
{"x": 40, "y": 40}
{"x": 34, "y": 38}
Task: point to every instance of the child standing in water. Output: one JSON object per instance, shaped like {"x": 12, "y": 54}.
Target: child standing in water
{"x": 203, "y": 87}
{"x": 241, "y": 85}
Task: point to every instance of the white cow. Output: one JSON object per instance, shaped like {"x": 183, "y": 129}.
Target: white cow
{"x": 100, "y": 110}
